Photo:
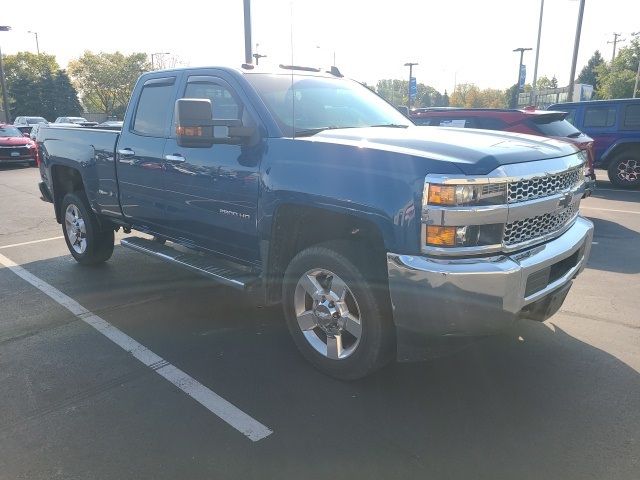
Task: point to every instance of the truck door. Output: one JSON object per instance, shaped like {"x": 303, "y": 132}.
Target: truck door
{"x": 139, "y": 153}
{"x": 213, "y": 192}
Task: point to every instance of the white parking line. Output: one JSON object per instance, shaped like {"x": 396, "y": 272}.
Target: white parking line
{"x": 598, "y": 189}
{"x": 31, "y": 242}
{"x": 608, "y": 210}
{"x": 217, "y": 405}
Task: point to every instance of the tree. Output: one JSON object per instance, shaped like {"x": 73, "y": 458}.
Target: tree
{"x": 445, "y": 100}
{"x": 546, "y": 82}
{"x": 106, "y": 80}
{"x": 588, "y": 73}
{"x": 616, "y": 80}
{"x": 511, "y": 96}
{"x": 37, "y": 86}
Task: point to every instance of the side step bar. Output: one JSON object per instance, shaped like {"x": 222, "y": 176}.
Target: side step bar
{"x": 210, "y": 266}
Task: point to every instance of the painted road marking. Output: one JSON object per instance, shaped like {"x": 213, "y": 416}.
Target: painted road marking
{"x": 31, "y": 242}
{"x": 598, "y": 189}
{"x": 213, "y": 402}
{"x": 608, "y": 210}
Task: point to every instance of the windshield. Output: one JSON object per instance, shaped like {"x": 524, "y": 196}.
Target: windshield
{"x": 77, "y": 119}
{"x": 551, "y": 126}
{"x": 8, "y": 131}
{"x": 316, "y": 103}
{"x": 35, "y": 120}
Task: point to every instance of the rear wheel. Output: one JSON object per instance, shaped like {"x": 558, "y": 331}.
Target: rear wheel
{"x": 624, "y": 170}
{"x": 87, "y": 242}
{"x": 337, "y": 317}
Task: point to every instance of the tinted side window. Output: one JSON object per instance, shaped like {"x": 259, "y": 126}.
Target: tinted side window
{"x": 153, "y": 106}
{"x": 600, "y": 116}
{"x": 571, "y": 115}
{"x": 456, "y": 122}
{"x": 223, "y": 103}
{"x": 632, "y": 117}
{"x": 491, "y": 124}
{"x": 423, "y": 121}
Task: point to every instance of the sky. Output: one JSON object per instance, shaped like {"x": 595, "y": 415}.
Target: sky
{"x": 463, "y": 41}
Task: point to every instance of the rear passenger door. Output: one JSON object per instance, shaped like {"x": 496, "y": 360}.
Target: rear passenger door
{"x": 139, "y": 153}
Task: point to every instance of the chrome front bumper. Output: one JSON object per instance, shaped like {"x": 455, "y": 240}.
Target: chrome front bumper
{"x": 478, "y": 296}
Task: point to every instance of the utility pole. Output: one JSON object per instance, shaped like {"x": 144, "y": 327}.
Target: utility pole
{"x": 153, "y": 66}
{"x": 534, "y": 90}
{"x": 410, "y": 65}
{"x": 3, "y": 82}
{"x": 521, "y": 50}
{"x": 635, "y": 87}
{"x": 247, "y": 31}
{"x": 37, "y": 45}
{"x": 615, "y": 43}
{"x": 576, "y": 46}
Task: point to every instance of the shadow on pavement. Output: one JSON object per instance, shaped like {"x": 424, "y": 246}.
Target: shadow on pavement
{"x": 617, "y": 247}
{"x": 534, "y": 403}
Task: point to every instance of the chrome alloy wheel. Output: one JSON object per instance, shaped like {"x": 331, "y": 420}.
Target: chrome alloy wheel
{"x": 629, "y": 170}
{"x": 75, "y": 229}
{"x": 328, "y": 314}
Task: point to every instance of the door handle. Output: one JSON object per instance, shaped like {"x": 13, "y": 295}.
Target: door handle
{"x": 126, "y": 152}
{"x": 175, "y": 158}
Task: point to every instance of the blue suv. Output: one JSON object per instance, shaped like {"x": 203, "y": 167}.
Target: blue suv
{"x": 614, "y": 126}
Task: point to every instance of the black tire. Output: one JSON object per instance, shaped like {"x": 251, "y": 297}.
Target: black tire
{"x": 624, "y": 169}
{"x": 376, "y": 346}
{"x": 99, "y": 243}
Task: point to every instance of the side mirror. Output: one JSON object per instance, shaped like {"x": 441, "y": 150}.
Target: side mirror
{"x": 196, "y": 128}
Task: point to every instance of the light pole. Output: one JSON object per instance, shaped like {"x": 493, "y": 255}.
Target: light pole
{"x": 521, "y": 50}
{"x": 635, "y": 87}
{"x": 3, "y": 82}
{"x": 410, "y": 65}
{"x": 257, "y": 56}
{"x": 153, "y": 55}
{"x": 37, "y": 44}
{"x": 576, "y": 46}
{"x": 534, "y": 92}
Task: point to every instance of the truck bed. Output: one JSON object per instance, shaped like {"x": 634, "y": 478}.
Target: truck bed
{"x": 91, "y": 151}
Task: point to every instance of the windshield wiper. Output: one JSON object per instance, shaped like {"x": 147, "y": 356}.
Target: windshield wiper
{"x": 391, "y": 125}
{"x": 312, "y": 131}
{"x": 574, "y": 135}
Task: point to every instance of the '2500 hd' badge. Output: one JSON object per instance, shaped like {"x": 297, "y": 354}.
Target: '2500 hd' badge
{"x": 231, "y": 213}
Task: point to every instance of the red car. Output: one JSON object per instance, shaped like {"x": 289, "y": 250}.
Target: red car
{"x": 533, "y": 122}
{"x": 15, "y": 147}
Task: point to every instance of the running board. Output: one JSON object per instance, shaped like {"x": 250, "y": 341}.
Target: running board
{"x": 210, "y": 266}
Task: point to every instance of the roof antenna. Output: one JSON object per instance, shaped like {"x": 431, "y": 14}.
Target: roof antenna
{"x": 293, "y": 93}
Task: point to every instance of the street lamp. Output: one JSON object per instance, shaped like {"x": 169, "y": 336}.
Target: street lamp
{"x": 3, "y": 82}
{"x": 37, "y": 45}
{"x": 153, "y": 55}
{"x": 521, "y": 50}
{"x": 533, "y": 99}
{"x": 257, "y": 56}
{"x": 635, "y": 87}
{"x": 576, "y": 45}
{"x": 410, "y": 65}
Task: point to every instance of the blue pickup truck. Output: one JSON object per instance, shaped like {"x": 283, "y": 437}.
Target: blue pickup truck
{"x": 303, "y": 188}
{"x": 614, "y": 126}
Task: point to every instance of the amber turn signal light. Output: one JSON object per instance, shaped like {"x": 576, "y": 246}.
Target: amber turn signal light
{"x": 442, "y": 195}
{"x": 441, "y": 236}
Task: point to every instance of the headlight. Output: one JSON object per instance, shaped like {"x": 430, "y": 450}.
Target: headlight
{"x": 465, "y": 195}
{"x": 465, "y": 236}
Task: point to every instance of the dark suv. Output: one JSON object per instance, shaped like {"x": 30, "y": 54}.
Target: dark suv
{"x": 614, "y": 126}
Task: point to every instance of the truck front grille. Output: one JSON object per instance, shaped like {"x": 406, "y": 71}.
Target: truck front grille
{"x": 536, "y": 227}
{"x": 538, "y": 187}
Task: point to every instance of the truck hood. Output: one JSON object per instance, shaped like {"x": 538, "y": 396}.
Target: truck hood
{"x": 474, "y": 152}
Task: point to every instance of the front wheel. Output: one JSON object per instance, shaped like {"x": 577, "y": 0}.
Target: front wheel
{"x": 87, "y": 242}
{"x": 624, "y": 170}
{"x": 335, "y": 313}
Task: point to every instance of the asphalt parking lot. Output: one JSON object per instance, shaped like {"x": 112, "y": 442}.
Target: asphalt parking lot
{"x": 559, "y": 400}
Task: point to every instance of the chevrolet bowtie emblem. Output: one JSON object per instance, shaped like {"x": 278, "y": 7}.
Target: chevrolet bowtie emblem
{"x": 565, "y": 201}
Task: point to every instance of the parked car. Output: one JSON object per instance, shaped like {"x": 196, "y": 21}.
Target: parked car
{"x": 77, "y": 120}
{"x": 15, "y": 147}
{"x": 24, "y": 124}
{"x": 614, "y": 126}
{"x": 530, "y": 121}
{"x": 371, "y": 232}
